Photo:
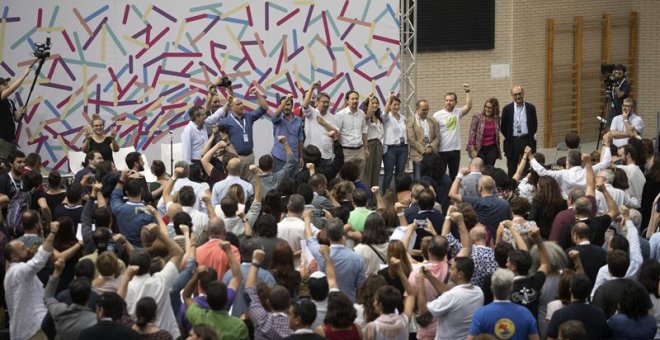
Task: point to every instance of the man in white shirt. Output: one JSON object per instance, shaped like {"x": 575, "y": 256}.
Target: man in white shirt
{"x": 194, "y": 136}
{"x": 352, "y": 126}
{"x": 24, "y": 293}
{"x": 292, "y": 227}
{"x": 627, "y": 124}
{"x": 138, "y": 283}
{"x": 233, "y": 177}
{"x": 455, "y": 307}
{"x": 320, "y": 127}
{"x": 636, "y": 179}
{"x": 183, "y": 180}
{"x": 450, "y": 129}
{"x": 606, "y": 177}
{"x": 574, "y": 175}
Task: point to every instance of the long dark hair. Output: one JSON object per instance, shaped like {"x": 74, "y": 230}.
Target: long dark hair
{"x": 496, "y": 106}
{"x": 375, "y": 231}
{"x": 145, "y": 311}
{"x": 66, "y": 235}
{"x": 549, "y": 193}
{"x": 654, "y": 171}
{"x": 365, "y": 105}
{"x": 283, "y": 269}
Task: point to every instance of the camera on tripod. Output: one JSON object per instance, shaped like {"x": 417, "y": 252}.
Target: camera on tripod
{"x": 42, "y": 51}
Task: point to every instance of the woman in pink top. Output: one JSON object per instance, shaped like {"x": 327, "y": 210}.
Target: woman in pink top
{"x": 484, "y": 137}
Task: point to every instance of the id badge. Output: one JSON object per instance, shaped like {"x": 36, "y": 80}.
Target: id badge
{"x": 426, "y": 140}
{"x": 246, "y": 139}
{"x": 402, "y": 140}
{"x": 518, "y": 130}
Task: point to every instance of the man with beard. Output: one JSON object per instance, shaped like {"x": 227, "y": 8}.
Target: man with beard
{"x": 24, "y": 293}
{"x": 352, "y": 126}
{"x": 194, "y": 136}
{"x": 320, "y": 127}
{"x": 135, "y": 162}
{"x": 286, "y": 124}
{"x": 10, "y": 182}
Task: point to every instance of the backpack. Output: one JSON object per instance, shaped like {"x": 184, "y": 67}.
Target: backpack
{"x": 17, "y": 205}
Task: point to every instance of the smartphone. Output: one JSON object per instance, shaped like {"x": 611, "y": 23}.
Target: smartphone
{"x": 141, "y": 210}
{"x": 318, "y": 213}
{"x": 111, "y": 246}
{"x": 421, "y": 224}
{"x": 91, "y": 179}
{"x": 609, "y": 235}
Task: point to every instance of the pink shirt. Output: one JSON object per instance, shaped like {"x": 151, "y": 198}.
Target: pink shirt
{"x": 439, "y": 270}
{"x": 489, "y": 133}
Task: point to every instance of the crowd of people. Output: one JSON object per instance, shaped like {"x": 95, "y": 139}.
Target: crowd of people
{"x": 309, "y": 243}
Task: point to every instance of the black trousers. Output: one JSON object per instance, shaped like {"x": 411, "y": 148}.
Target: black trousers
{"x": 519, "y": 144}
{"x": 488, "y": 154}
{"x": 453, "y": 160}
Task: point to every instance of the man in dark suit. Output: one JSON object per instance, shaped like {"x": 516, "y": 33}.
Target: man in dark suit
{"x": 591, "y": 256}
{"x": 519, "y": 125}
{"x": 109, "y": 311}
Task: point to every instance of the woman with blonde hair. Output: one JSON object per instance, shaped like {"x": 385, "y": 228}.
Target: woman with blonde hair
{"x": 97, "y": 140}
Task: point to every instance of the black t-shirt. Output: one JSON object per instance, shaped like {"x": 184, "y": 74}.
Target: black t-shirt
{"x": 527, "y": 291}
{"x": 104, "y": 148}
{"x": 74, "y": 212}
{"x": 9, "y": 186}
{"x": 34, "y": 198}
{"x": 610, "y": 293}
{"x": 54, "y": 200}
{"x": 7, "y": 123}
{"x": 597, "y": 225}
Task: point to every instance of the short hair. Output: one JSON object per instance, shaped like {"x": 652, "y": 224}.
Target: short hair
{"x": 575, "y": 193}
{"x": 181, "y": 218}
{"x": 582, "y": 206}
{"x": 335, "y": 229}
{"x": 389, "y": 299}
{"x": 205, "y": 332}
{"x": 101, "y": 237}
{"x": 142, "y": 259}
{"x": 54, "y": 179}
{"x": 183, "y": 165}
{"x": 195, "y": 112}
{"x": 522, "y": 260}
{"x": 248, "y": 246}
{"x": 464, "y": 265}
{"x": 620, "y": 67}
{"x": 318, "y": 288}
{"x": 618, "y": 262}
{"x": 501, "y": 283}
{"x": 16, "y": 154}
{"x": 206, "y": 277}
{"x": 572, "y": 140}
{"x": 574, "y": 158}
{"x": 80, "y": 289}
{"x": 216, "y": 295}
{"x": 581, "y": 230}
{"x": 107, "y": 263}
{"x": 520, "y": 206}
{"x": 305, "y": 310}
{"x": 323, "y": 94}
{"x": 580, "y": 287}
{"x": 573, "y": 330}
{"x": 420, "y": 101}
{"x": 158, "y": 168}
{"x": 102, "y": 217}
{"x": 341, "y": 313}
{"x": 85, "y": 268}
{"x": 453, "y": 94}
{"x": 133, "y": 187}
{"x": 502, "y": 251}
{"x": 403, "y": 183}
{"x": 349, "y": 93}
{"x": 636, "y": 303}
{"x": 360, "y": 197}
{"x": 279, "y": 299}
{"x": 311, "y": 154}
{"x": 33, "y": 159}
{"x": 74, "y": 192}
{"x": 426, "y": 199}
{"x": 266, "y": 162}
{"x": 30, "y": 220}
{"x": 350, "y": 171}
{"x": 89, "y": 156}
{"x": 620, "y": 242}
{"x": 317, "y": 180}
{"x": 307, "y": 192}
{"x": 132, "y": 158}
{"x": 629, "y": 149}
{"x": 187, "y": 197}
{"x": 112, "y": 305}
{"x": 438, "y": 247}
{"x": 296, "y": 204}
{"x": 229, "y": 206}
{"x": 265, "y": 226}
{"x": 216, "y": 227}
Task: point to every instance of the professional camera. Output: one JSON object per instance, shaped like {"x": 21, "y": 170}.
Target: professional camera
{"x": 42, "y": 51}
{"x": 607, "y": 74}
{"x": 224, "y": 82}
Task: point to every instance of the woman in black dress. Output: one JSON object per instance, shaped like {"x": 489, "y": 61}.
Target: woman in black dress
{"x": 96, "y": 140}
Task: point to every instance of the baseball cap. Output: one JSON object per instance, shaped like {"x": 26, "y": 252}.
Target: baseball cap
{"x": 4, "y": 80}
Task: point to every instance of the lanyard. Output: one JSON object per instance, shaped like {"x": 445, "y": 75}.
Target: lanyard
{"x": 239, "y": 124}
{"x": 14, "y": 182}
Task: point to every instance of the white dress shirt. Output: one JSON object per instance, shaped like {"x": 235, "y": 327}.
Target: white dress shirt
{"x": 573, "y": 177}
{"x": 316, "y": 134}
{"x": 375, "y": 130}
{"x": 199, "y": 188}
{"x": 292, "y": 230}
{"x": 158, "y": 287}
{"x": 193, "y": 139}
{"x": 351, "y": 126}
{"x": 619, "y": 125}
{"x": 636, "y": 180}
{"x": 519, "y": 120}
{"x": 636, "y": 259}
{"x": 220, "y": 189}
{"x": 24, "y": 294}
{"x": 395, "y": 130}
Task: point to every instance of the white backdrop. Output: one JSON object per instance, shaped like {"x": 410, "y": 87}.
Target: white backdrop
{"x": 141, "y": 65}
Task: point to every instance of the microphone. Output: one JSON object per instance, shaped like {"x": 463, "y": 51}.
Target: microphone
{"x": 601, "y": 119}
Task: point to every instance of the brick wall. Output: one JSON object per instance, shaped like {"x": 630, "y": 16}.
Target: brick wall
{"x": 520, "y": 40}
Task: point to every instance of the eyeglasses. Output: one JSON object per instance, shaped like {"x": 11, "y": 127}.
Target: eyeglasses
{"x": 97, "y": 125}
{"x": 517, "y": 94}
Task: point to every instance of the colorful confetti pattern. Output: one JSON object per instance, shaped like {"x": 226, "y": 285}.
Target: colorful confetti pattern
{"x": 141, "y": 65}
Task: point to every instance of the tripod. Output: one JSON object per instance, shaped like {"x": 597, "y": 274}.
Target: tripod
{"x": 36, "y": 75}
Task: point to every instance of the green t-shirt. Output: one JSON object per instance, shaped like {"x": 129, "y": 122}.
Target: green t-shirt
{"x": 227, "y": 326}
{"x": 357, "y": 217}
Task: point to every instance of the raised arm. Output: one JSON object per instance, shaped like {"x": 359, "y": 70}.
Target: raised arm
{"x": 577, "y": 262}
{"x": 330, "y": 272}
{"x": 409, "y": 303}
{"x": 309, "y": 94}
{"x": 612, "y": 209}
{"x": 544, "y": 259}
{"x": 237, "y": 275}
{"x": 260, "y": 98}
{"x": 589, "y": 172}
{"x": 454, "y": 190}
{"x": 128, "y": 276}
{"x": 208, "y": 155}
{"x": 520, "y": 242}
{"x": 280, "y": 108}
{"x": 15, "y": 84}
{"x": 191, "y": 286}
{"x": 466, "y": 240}
{"x": 468, "y": 100}
{"x": 522, "y": 164}
{"x": 170, "y": 185}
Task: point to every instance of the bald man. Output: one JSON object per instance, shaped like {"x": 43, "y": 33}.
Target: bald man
{"x": 490, "y": 208}
{"x": 519, "y": 125}
{"x": 469, "y": 184}
{"x": 234, "y": 170}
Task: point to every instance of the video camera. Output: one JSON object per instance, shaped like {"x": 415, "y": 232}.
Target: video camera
{"x": 42, "y": 51}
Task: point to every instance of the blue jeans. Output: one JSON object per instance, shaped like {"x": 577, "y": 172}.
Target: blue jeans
{"x": 417, "y": 170}
{"x": 395, "y": 157}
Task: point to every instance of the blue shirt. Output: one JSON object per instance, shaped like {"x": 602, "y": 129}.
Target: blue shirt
{"x": 220, "y": 189}
{"x": 237, "y": 127}
{"x": 348, "y": 265}
{"x": 291, "y": 129}
{"x": 263, "y": 276}
{"x": 129, "y": 221}
{"x": 504, "y": 320}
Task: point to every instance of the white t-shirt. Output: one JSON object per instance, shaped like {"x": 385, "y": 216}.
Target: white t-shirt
{"x": 454, "y": 310}
{"x": 450, "y": 129}
{"x": 316, "y": 134}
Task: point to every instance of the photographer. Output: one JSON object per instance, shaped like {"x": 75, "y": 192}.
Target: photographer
{"x": 10, "y": 114}
{"x": 619, "y": 89}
